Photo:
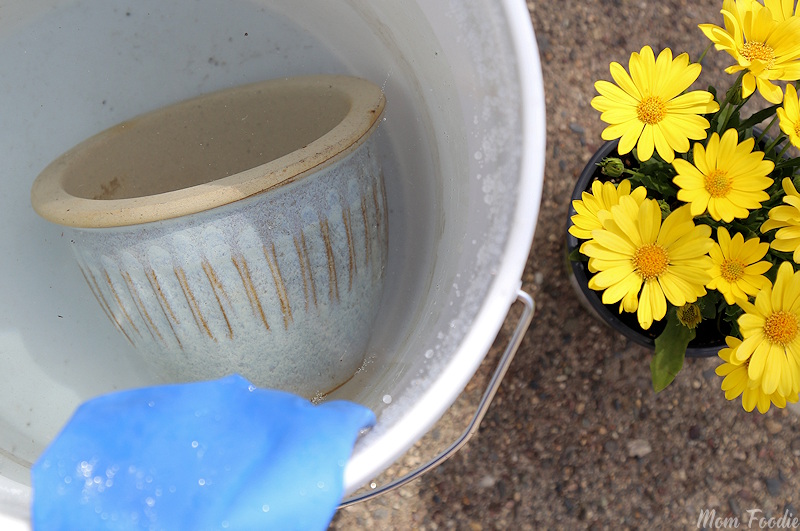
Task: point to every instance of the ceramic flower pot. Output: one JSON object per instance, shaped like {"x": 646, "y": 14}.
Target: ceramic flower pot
{"x": 241, "y": 231}
{"x": 708, "y": 339}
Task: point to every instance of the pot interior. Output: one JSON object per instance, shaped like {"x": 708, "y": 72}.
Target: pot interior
{"x": 202, "y": 140}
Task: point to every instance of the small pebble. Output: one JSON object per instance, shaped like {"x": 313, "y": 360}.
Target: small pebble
{"x": 734, "y": 505}
{"x": 796, "y": 446}
{"x": 639, "y": 448}
{"x": 576, "y": 128}
{"x": 487, "y": 482}
{"x": 773, "y": 427}
{"x": 773, "y": 486}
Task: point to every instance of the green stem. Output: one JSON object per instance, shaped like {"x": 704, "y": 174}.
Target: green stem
{"x": 633, "y": 173}
{"x": 784, "y": 150}
{"x": 764, "y": 133}
{"x": 703, "y": 55}
{"x": 733, "y": 91}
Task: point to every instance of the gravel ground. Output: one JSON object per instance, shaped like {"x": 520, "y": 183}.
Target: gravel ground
{"x": 575, "y": 437}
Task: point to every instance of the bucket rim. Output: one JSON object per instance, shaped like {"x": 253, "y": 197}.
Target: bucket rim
{"x": 502, "y": 291}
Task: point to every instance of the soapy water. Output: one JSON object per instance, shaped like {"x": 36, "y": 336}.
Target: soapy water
{"x": 252, "y": 459}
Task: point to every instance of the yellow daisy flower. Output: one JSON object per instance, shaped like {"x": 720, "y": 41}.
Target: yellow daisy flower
{"x": 789, "y": 115}
{"x": 786, "y": 218}
{"x": 736, "y": 382}
{"x": 770, "y": 331}
{"x": 643, "y": 262}
{"x": 728, "y": 178}
{"x": 737, "y": 272}
{"x": 782, "y": 9}
{"x": 601, "y": 199}
{"x": 649, "y": 106}
{"x": 765, "y": 45}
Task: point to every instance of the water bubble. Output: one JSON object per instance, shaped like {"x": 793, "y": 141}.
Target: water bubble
{"x": 201, "y": 482}
{"x": 68, "y": 480}
{"x": 251, "y": 388}
{"x": 387, "y": 399}
{"x": 150, "y": 501}
{"x": 478, "y": 155}
{"x": 225, "y": 524}
{"x": 373, "y": 485}
{"x": 151, "y": 404}
{"x": 172, "y": 488}
{"x": 265, "y": 508}
{"x": 194, "y": 444}
{"x": 320, "y": 484}
{"x": 86, "y": 469}
{"x": 429, "y": 353}
{"x": 317, "y": 398}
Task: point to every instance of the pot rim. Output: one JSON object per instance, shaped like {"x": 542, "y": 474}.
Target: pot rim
{"x": 54, "y": 203}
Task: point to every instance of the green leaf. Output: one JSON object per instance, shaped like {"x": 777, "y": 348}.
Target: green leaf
{"x": 577, "y": 256}
{"x": 670, "y": 351}
{"x": 757, "y": 118}
{"x": 708, "y": 304}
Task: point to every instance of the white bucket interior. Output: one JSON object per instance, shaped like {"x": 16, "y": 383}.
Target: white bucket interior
{"x": 463, "y": 152}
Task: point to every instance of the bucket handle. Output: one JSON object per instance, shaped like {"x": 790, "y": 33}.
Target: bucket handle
{"x": 483, "y": 406}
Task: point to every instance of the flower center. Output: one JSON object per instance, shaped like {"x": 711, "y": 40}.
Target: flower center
{"x": 758, "y": 51}
{"x": 781, "y": 327}
{"x": 717, "y": 183}
{"x": 651, "y": 110}
{"x": 797, "y": 128}
{"x": 650, "y": 261}
{"x": 732, "y": 270}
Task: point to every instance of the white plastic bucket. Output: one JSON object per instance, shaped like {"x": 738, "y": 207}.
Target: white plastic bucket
{"x": 463, "y": 149}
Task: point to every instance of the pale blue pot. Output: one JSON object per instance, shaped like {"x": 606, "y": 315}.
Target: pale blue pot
{"x": 281, "y": 286}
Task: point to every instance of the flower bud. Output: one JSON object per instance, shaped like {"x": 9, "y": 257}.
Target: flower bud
{"x": 689, "y": 315}
{"x": 613, "y": 167}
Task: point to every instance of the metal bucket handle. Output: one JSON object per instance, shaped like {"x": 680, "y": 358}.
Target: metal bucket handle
{"x": 483, "y": 406}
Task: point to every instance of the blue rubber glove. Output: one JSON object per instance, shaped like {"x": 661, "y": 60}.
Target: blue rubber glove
{"x": 209, "y": 455}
